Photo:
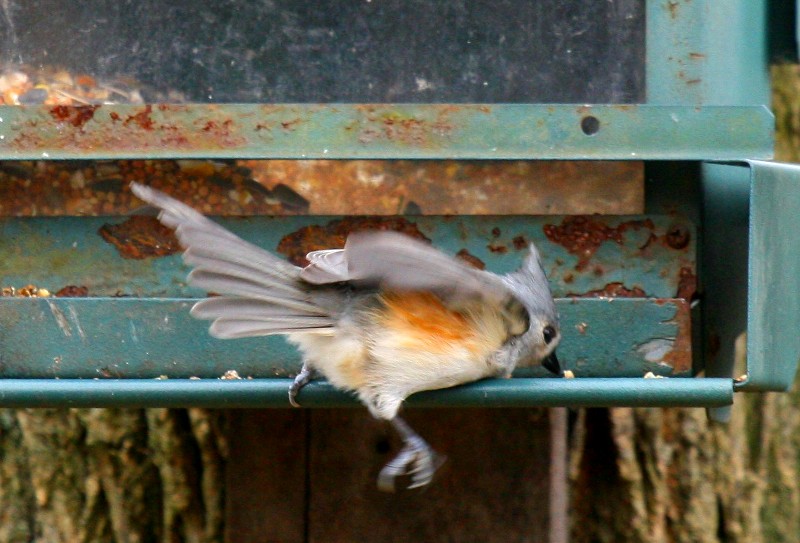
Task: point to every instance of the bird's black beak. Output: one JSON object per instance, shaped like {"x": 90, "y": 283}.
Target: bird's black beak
{"x": 551, "y": 363}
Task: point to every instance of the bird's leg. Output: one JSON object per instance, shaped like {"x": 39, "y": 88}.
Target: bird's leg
{"x": 416, "y": 459}
{"x": 302, "y": 379}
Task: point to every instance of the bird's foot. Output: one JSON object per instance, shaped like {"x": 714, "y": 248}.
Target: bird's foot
{"x": 416, "y": 459}
{"x": 302, "y": 379}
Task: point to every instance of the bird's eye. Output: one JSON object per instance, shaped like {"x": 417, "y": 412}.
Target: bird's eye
{"x": 549, "y": 334}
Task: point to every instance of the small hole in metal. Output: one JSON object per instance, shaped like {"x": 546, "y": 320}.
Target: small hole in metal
{"x": 590, "y": 125}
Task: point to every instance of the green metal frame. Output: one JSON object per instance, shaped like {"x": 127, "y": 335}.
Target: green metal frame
{"x": 526, "y": 392}
{"x": 427, "y": 131}
{"x": 706, "y": 77}
{"x": 87, "y": 338}
{"x": 707, "y": 83}
{"x": 759, "y": 202}
{"x": 129, "y": 328}
{"x": 752, "y": 286}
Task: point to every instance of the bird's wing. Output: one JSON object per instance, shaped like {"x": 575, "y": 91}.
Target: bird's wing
{"x": 327, "y": 266}
{"x": 396, "y": 261}
{"x": 262, "y": 294}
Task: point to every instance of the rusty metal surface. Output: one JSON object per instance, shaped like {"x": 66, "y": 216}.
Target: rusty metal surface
{"x": 140, "y": 237}
{"x": 287, "y": 187}
{"x": 447, "y": 131}
{"x": 58, "y": 252}
{"x": 101, "y": 187}
{"x": 383, "y": 187}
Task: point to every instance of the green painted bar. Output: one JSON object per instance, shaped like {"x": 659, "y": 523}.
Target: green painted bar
{"x": 550, "y": 392}
{"x": 85, "y": 338}
{"x": 408, "y": 131}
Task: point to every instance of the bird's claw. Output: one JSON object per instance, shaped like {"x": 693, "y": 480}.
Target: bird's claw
{"x": 416, "y": 459}
{"x": 300, "y": 381}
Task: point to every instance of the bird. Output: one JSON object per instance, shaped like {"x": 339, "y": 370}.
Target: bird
{"x": 384, "y": 317}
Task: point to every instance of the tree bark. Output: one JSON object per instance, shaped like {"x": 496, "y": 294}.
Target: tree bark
{"x": 97, "y": 475}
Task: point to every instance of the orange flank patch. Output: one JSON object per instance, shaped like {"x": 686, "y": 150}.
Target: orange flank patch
{"x": 423, "y": 321}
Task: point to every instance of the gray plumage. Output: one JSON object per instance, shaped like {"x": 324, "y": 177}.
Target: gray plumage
{"x": 355, "y": 314}
{"x": 278, "y": 301}
{"x": 226, "y": 264}
{"x": 325, "y": 267}
{"x": 393, "y": 260}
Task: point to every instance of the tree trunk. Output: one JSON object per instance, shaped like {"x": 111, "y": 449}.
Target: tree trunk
{"x": 670, "y": 475}
{"x": 127, "y": 476}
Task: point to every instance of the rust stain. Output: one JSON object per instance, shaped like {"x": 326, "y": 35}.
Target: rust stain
{"x": 77, "y": 116}
{"x": 72, "y": 291}
{"x": 471, "y": 259}
{"x": 220, "y": 129}
{"x": 297, "y": 244}
{"x": 496, "y": 232}
{"x": 672, "y": 6}
{"x": 697, "y": 56}
{"x": 291, "y": 125}
{"x": 650, "y": 239}
{"x": 693, "y": 81}
{"x": 497, "y": 249}
{"x": 123, "y": 131}
{"x": 687, "y": 284}
{"x": 519, "y": 243}
{"x": 680, "y": 357}
{"x": 582, "y": 235}
{"x": 141, "y": 119}
{"x": 381, "y": 124}
{"x": 140, "y": 237}
{"x": 612, "y": 290}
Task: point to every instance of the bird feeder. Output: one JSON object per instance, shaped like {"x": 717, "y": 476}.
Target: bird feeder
{"x": 661, "y": 291}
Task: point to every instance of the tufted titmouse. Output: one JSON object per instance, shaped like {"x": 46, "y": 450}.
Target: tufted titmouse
{"x": 387, "y": 316}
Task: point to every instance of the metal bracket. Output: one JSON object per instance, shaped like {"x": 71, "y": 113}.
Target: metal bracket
{"x": 752, "y": 286}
